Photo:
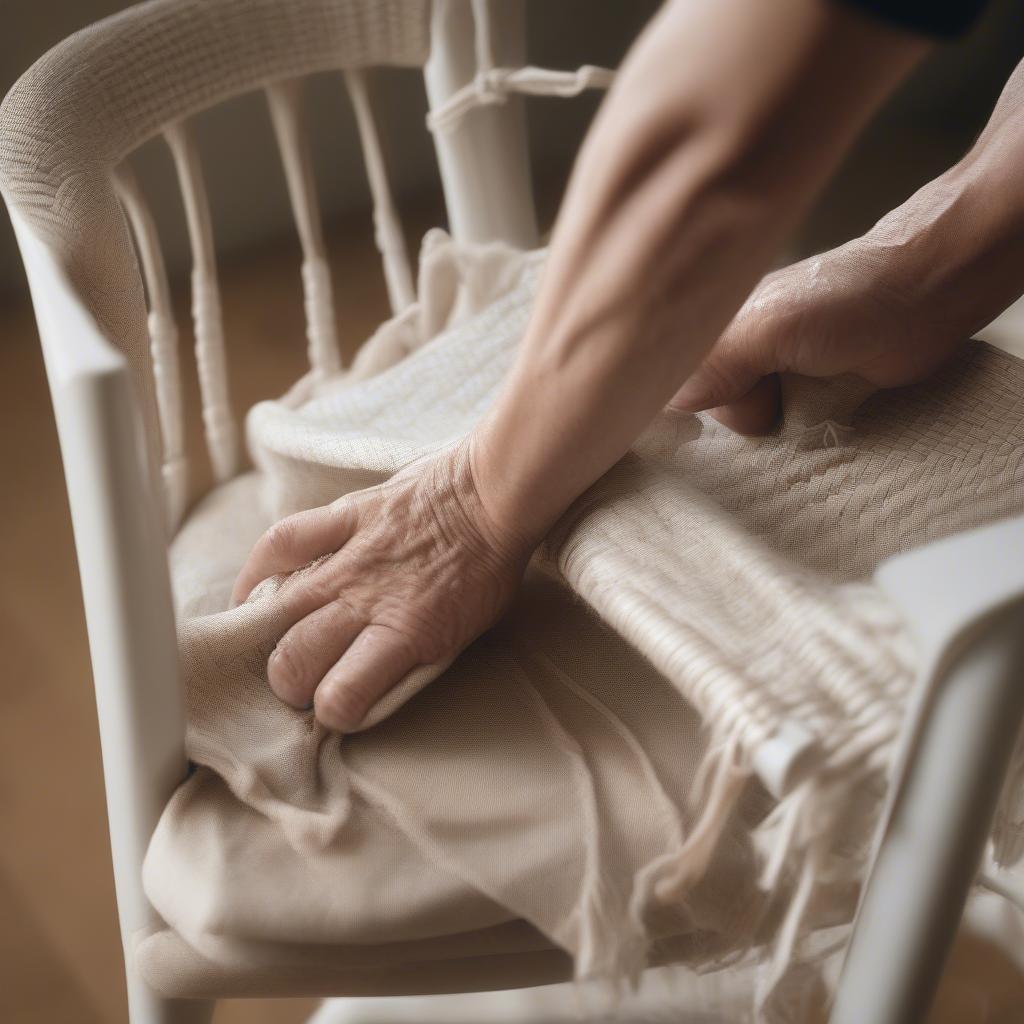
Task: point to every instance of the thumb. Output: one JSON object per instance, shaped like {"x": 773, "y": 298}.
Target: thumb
{"x": 720, "y": 379}
{"x": 740, "y": 392}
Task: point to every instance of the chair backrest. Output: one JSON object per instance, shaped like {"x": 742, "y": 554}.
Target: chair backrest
{"x": 102, "y": 298}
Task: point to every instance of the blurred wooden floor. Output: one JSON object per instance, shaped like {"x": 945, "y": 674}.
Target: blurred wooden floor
{"x": 60, "y": 960}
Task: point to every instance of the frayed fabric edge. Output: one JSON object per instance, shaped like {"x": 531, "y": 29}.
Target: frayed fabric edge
{"x": 803, "y": 828}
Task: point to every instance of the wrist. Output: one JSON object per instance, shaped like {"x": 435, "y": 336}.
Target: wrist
{"x": 507, "y": 497}
{"x": 500, "y": 527}
{"x": 951, "y": 251}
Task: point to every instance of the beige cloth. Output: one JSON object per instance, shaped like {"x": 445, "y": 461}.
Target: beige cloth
{"x": 577, "y": 780}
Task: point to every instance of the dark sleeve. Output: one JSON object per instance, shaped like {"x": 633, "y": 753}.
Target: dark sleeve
{"x": 943, "y": 18}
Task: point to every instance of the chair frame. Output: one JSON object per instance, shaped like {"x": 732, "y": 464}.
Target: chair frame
{"x": 957, "y": 744}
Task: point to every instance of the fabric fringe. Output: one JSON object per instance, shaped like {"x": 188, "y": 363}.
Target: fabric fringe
{"x": 798, "y": 842}
{"x": 668, "y": 878}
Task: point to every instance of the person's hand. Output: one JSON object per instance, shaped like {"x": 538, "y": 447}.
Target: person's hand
{"x": 890, "y": 306}
{"x": 851, "y": 310}
{"x": 415, "y": 569}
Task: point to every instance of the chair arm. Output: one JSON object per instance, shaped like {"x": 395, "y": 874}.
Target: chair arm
{"x": 74, "y": 348}
{"x": 949, "y": 589}
{"x": 122, "y": 557}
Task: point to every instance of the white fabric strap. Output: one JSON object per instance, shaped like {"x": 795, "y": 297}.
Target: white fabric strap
{"x": 387, "y": 226}
{"x": 285, "y": 101}
{"x": 163, "y": 341}
{"x": 211, "y": 363}
{"x": 495, "y": 84}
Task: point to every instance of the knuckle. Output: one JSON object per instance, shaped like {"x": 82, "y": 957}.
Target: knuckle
{"x": 279, "y": 540}
{"x": 717, "y": 383}
{"x": 286, "y": 669}
{"x": 342, "y": 705}
{"x": 312, "y": 586}
{"x": 346, "y": 610}
{"x": 415, "y": 636}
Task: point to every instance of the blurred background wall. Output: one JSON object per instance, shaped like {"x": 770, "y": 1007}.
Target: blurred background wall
{"x": 924, "y": 128}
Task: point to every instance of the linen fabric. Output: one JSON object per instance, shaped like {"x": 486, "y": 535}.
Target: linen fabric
{"x": 584, "y": 777}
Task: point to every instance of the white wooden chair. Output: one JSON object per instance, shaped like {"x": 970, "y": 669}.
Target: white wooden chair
{"x": 126, "y": 479}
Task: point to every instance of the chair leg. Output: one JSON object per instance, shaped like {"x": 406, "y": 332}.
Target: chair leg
{"x": 936, "y": 833}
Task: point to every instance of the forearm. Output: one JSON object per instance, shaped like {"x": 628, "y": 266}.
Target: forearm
{"x": 685, "y": 189}
{"x": 955, "y": 249}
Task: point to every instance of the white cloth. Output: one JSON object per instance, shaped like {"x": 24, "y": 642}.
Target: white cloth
{"x": 589, "y": 776}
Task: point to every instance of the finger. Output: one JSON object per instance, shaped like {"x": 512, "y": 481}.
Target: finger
{"x": 755, "y": 413}
{"x": 304, "y": 654}
{"x": 725, "y": 376}
{"x": 378, "y": 659}
{"x": 294, "y": 542}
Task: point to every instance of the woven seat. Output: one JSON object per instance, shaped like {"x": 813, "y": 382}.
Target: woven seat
{"x": 659, "y": 549}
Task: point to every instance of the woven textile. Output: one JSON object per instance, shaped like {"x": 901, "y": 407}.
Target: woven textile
{"x": 584, "y": 776}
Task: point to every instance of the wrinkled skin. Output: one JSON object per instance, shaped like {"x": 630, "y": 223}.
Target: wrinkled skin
{"x": 415, "y": 570}
{"x": 725, "y": 120}
{"x": 832, "y": 314}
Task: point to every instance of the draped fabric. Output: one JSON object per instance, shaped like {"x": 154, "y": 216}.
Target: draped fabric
{"x": 587, "y": 780}
{"x": 595, "y": 784}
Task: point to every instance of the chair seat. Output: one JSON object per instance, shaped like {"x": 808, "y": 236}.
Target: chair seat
{"x": 205, "y": 558}
{"x": 589, "y": 767}
{"x": 481, "y": 946}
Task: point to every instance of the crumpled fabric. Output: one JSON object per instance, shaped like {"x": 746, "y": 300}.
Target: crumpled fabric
{"x": 584, "y": 777}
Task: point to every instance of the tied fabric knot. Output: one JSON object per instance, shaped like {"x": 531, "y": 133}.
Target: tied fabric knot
{"x": 827, "y": 434}
{"x": 819, "y": 411}
{"x": 493, "y": 86}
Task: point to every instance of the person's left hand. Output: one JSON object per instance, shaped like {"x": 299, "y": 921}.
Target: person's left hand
{"x": 416, "y": 570}
{"x": 855, "y": 310}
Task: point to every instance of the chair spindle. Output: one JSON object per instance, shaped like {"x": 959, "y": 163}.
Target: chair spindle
{"x": 285, "y": 102}
{"x": 211, "y": 362}
{"x": 163, "y": 341}
{"x": 387, "y": 226}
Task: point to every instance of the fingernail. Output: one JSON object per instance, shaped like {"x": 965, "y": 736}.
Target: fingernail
{"x": 689, "y": 398}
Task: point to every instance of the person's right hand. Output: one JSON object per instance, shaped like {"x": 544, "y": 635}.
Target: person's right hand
{"x": 890, "y": 306}
{"x": 850, "y": 310}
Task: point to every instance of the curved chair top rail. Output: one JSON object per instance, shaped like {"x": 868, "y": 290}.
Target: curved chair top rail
{"x": 73, "y": 118}
{"x": 85, "y": 105}
{"x": 102, "y": 92}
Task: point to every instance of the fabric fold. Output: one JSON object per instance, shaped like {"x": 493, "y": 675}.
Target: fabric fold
{"x": 589, "y": 766}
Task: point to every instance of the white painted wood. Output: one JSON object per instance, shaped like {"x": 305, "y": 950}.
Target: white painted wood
{"x": 211, "y": 360}
{"x": 386, "y": 224}
{"x": 285, "y": 102}
{"x": 163, "y": 339}
{"x": 484, "y": 160}
{"x": 664, "y": 995}
{"x": 121, "y": 543}
{"x": 969, "y": 717}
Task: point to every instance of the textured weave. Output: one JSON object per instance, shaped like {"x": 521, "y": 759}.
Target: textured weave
{"x": 589, "y": 775}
